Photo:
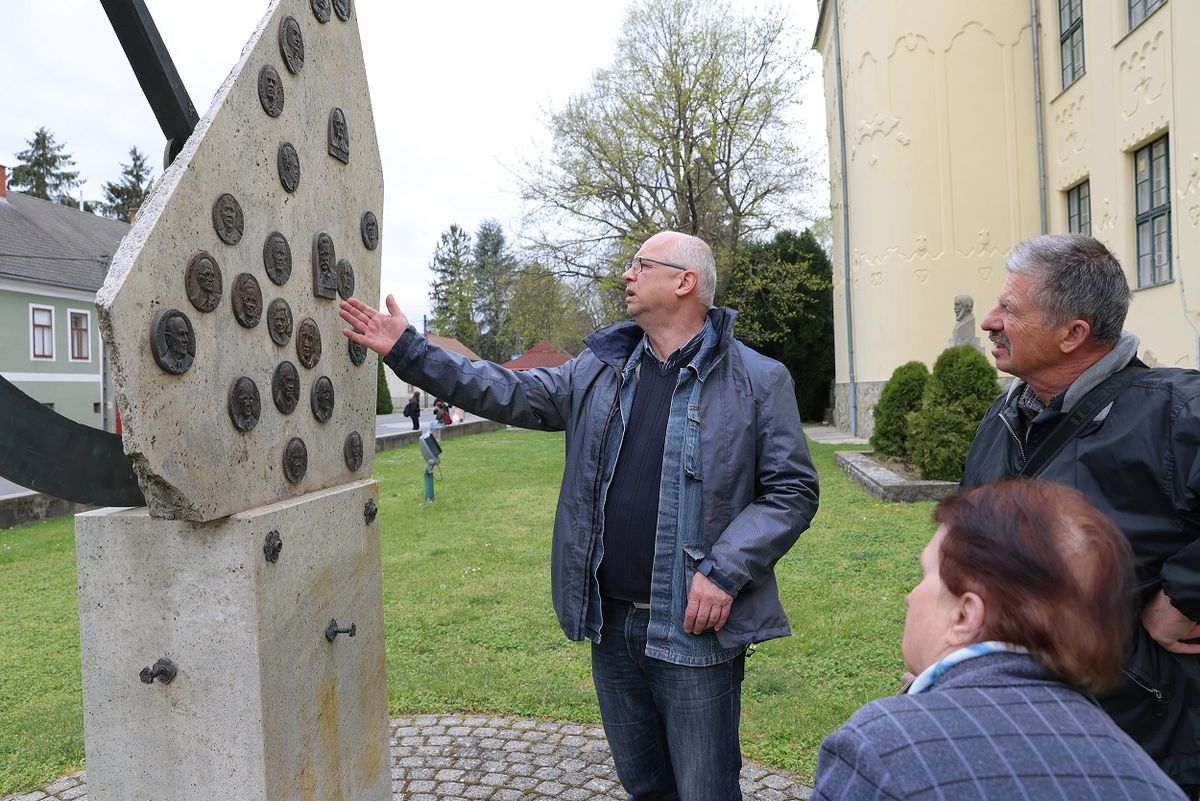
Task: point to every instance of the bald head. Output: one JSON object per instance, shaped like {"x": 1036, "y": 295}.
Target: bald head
{"x": 691, "y": 252}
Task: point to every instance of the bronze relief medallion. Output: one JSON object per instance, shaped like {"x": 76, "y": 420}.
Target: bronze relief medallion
{"x": 295, "y": 460}
{"x": 227, "y": 219}
{"x": 339, "y": 136}
{"x": 358, "y": 353}
{"x": 277, "y": 258}
{"x": 285, "y": 387}
{"x": 345, "y": 279}
{"x": 324, "y": 267}
{"x": 342, "y": 9}
{"x": 202, "y": 281}
{"x": 352, "y": 450}
{"x": 270, "y": 90}
{"x": 172, "y": 341}
{"x": 308, "y": 343}
{"x": 289, "y": 166}
{"x": 369, "y": 228}
{"x": 322, "y": 399}
{"x": 247, "y": 300}
{"x": 320, "y": 9}
{"x": 279, "y": 321}
{"x": 245, "y": 405}
{"x": 291, "y": 45}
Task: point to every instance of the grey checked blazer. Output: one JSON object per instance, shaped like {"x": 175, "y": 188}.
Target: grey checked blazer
{"x": 993, "y": 728}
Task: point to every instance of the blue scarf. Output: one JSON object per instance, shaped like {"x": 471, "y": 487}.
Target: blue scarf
{"x": 930, "y": 675}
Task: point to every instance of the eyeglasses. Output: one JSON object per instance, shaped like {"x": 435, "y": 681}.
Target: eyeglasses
{"x": 638, "y": 264}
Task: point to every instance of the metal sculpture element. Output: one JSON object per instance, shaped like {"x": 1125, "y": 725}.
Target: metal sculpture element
{"x": 228, "y": 220}
{"x": 295, "y": 460}
{"x": 322, "y": 399}
{"x": 202, "y": 281}
{"x": 247, "y": 300}
{"x": 277, "y": 258}
{"x": 339, "y": 136}
{"x": 369, "y": 228}
{"x": 308, "y": 343}
{"x": 285, "y": 387}
{"x": 320, "y": 9}
{"x": 358, "y": 353}
{"x": 272, "y": 545}
{"x": 345, "y": 279}
{"x": 289, "y": 167}
{"x": 270, "y": 90}
{"x": 245, "y": 405}
{"x": 342, "y": 9}
{"x": 324, "y": 267}
{"x": 164, "y": 670}
{"x": 49, "y": 453}
{"x": 172, "y": 341}
{"x": 370, "y": 510}
{"x": 332, "y": 630}
{"x": 291, "y": 45}
{"x": 279, "y": 321}
{"x": 352, "y": 451}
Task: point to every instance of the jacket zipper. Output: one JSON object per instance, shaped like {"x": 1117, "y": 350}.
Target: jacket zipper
{"x": 1020, "y": 446}
{"x": 598, "y": 501}
{"x": 1158, "y": 696}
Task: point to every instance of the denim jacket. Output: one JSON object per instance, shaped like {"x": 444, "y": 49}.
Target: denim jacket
{"x": 741, "y": 491}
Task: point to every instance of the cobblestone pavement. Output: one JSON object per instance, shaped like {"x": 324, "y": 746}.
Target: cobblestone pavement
{"x": 460, "y": 757}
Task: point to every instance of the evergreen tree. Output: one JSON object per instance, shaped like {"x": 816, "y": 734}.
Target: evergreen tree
{"x": 383, "y": 396}
{"x": 453, "y": 288}
{"x": 122, "y": 198}
{"x": 783, "y": 291}
{"x": 44, "y": 170}
{"x": 495, "y": 270}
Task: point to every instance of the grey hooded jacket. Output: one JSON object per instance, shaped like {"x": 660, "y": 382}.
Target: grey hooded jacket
{"x": 760, "y": 488}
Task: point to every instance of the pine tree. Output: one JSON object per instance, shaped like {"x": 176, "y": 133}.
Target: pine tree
{"x": 124, "y": 197}
{"x": 44, "y": 171}
{"x": 453, "y": 288}
{"x": 495, "y": 269}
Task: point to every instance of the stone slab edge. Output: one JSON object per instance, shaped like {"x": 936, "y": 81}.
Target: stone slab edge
{"x": 405, "y": 438}
{"x": 887, "y": 485}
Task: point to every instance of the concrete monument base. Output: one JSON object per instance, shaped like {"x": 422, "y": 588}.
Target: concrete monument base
{"x": 262, "y": 706}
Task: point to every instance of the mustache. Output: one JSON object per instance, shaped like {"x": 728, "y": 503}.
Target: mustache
{"x": 999, "y": 339}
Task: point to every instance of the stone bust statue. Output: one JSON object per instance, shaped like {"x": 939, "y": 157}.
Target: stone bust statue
{"x": 965, "y": 328}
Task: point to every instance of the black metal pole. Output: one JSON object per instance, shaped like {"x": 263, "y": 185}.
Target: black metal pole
{"x": 155, "y": 72}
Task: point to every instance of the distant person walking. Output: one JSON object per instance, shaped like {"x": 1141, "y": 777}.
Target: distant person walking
{"x": 412, "y": 409}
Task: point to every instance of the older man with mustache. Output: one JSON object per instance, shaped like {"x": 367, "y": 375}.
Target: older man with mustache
{"x": 1084, "y": 411}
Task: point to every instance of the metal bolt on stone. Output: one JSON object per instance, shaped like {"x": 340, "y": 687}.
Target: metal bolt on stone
{"x": 164, "y": 670}
{"x": 332, "y": 630}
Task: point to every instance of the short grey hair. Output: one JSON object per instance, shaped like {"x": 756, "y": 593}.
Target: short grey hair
{"x": 1075, "y": 277}
{"x": 692, "y": 252}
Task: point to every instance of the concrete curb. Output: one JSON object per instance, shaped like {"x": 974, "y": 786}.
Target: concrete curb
{"x": 886, "y": 485}
{"x": 390, "y": 442}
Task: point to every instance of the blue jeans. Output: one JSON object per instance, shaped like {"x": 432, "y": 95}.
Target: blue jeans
{"x": 673, "y": 729}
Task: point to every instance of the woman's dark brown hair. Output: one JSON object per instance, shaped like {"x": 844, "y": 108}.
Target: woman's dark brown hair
{"x": 1055, "y": 575}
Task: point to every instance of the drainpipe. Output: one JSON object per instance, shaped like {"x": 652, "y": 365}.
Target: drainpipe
{"x": 1037, "y": 108}
{"x": 837, "y": 49}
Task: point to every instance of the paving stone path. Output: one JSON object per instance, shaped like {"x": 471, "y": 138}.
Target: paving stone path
{"x": 461, "y": 757}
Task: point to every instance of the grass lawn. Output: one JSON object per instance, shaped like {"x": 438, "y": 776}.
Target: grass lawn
{"x": 468, "y": 616}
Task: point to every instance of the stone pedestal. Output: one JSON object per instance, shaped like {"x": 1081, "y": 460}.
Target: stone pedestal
{"x": 263, "y": 707}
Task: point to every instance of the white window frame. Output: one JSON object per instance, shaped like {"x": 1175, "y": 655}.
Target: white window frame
{"x": 53, "y": 332}
{"x": 71, "y": 337}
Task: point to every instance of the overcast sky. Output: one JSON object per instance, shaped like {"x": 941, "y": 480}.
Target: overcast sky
{"x": 459, "y": 91}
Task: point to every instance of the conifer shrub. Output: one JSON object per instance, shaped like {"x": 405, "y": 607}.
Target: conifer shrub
{"x": 959, "y": 391}
{"x": 901, "y": 395}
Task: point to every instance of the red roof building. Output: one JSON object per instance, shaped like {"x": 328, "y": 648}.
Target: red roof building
{"x": 452, "y": 344}
{"x": 543, "y": 354}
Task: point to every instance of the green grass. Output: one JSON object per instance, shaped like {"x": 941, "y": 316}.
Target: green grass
{"x": 468, "y": 618}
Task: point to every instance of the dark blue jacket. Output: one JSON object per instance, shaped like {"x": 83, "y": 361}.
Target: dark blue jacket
{"x": 760, "y": 488}
{"x": 994, "y": 728}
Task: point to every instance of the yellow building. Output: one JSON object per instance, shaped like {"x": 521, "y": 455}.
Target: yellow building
{"x": 945, "y": 152}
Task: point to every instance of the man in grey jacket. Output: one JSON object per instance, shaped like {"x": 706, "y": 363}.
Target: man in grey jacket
{"x": 687, "y": 477}
{"x": 1058, "y": 328}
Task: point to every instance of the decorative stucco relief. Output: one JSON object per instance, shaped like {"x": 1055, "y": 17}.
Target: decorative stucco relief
{"x": 921, "y": 274}
{"x": 985, "y": 273}
{"x": 1108, "y": 217}
{"x": 1194, "y": 215}
{"x": 1142, "y": 75}
{"x": 1193, "y": 176}
{"x": 1070, "y": 138}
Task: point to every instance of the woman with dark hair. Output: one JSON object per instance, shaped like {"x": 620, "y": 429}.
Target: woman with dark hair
{"x": 1008, "y": 633}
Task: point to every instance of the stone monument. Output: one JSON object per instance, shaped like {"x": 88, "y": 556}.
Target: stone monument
{"x": 232, "y": 630}
{"x": 965, "y": 329}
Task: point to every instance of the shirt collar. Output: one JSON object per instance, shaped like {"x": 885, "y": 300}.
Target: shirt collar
{"x": 932, "y": 674}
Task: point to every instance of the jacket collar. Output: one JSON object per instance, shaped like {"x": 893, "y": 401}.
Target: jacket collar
{"x": 1122, "y": 354}
{"x": 614, "y": 344}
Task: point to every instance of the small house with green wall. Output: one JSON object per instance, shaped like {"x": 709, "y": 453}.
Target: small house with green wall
{"x": 53, "y": 259}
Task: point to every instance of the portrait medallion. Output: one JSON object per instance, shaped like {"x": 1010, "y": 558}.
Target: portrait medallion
{"x": 172, "y": 341}
{"x": 342, "y": 9}
{"x": 245, "y": 406}
{"x": 352, "y": 451}
{"x": 247, "y": 300}
{"x": 285, "y": 387}
{"x": 291, "y": 45}
{"x": 320, "y": 9}
{"x": 295, "y": 460}
{"x": 289, "y": 166}
{"x": 369, "y": 228}
{"x": 339, "y": 136}
{"x": 322, "y": 399}
{"x": 270, "y": 90}
{"x": 202, "y": 280}
{"x": 227, "y": 219}
{"x": 324, "y": 267}
{"x": 279, "y": 321}
{"x": 277, "y": 258}
{"x": 345, "y": 279}
{"x": 308, "y": 343}
{"x": 358, "y": 353}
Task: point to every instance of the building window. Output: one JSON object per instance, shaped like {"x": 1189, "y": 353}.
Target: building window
{"x": 1140, "y": 9}
{"x": 80, "y": 340}
{"x": 41, "y": 344}
{"x": 1079, "y": 209}
{"x": 1070, "y": 39}
{"x": 1152, "y": 175}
